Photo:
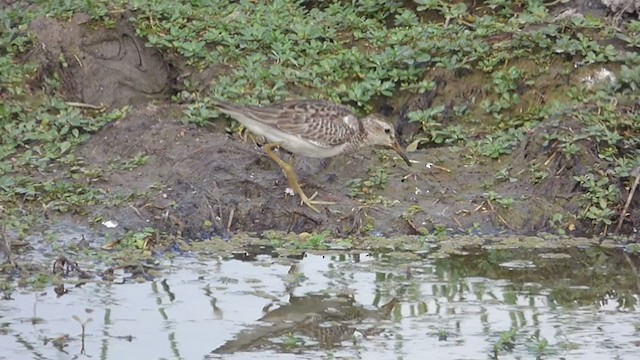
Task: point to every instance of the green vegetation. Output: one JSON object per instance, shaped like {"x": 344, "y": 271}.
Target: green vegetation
{"x": 359, "y": 53}
{"x": 291, "y": 341}
{"x": 506, "y": 342}
{"x": 365, "y": 188}
{"x": 39, "y": 132}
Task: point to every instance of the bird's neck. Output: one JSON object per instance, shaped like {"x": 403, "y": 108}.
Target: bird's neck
{"x": 358, "y": 141}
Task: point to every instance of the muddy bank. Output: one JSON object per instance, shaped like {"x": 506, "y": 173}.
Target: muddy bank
{"x": 200, "y": 182}
{"x": 104, "y": 67}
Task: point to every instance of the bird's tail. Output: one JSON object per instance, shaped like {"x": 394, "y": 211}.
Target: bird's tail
{"x": 226, "y": 107}
{"x": 248, "y": 113}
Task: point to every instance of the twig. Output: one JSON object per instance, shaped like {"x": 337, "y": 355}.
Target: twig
{"x": 491, "y": 208}
{"x": 78, "y": 60}
{"x": 85, "y": 106}
{"x": 628, "y": 203}
{"x": 432, "y": 165}
{"x": 137, "y": 211}
{"x": 504, "y": 221}
{"x": 553, "y": 155}
{"x": 231, "y": 213}
{"x": 5, "y": 244}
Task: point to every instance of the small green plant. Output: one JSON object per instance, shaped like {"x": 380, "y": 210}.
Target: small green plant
{"x": 504, "y": 84}
{"x": 494, "y": 197}
{"x": 505, "y": 202}
{"x": 502, "y": 143}
{"x": 200, "y": 113}
{"x": 130, "y": 164}
{"x": 318, "y": 241}
{"x": 291, "y": 341}
{"x": 474, "y": 229}
{"x": 139, "y": 239}
{"x": 538, "y": 175}
{"x": 539, "y": 346}
{"x": 506, "y": 342}
{"x": 599, "y": 200}
{"x": 435, "y": 132}
{"x": 440, "y": 230}
{"x": 557, "y": 221}
{"x": 635, "y": 250}
{"x": 502, "y": 175}
{"x": 632, "y": 37}
{"x": 40, "y": 281}
{"x": 412, "y": 211}
{"x": 378, "y": 179}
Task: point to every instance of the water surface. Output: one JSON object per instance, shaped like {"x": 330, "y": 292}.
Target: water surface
{"x": 580, "y": 304}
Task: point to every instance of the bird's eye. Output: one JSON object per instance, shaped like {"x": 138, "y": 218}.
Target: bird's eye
{"x": 387, "y": 131}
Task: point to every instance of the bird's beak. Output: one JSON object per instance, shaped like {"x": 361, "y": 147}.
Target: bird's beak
{"x": 401, "y": 152}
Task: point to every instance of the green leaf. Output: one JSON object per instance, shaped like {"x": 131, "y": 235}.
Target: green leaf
{"x": 64, "y": 146}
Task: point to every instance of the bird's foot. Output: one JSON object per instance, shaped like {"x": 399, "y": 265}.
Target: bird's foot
{"x": 292, "y": 179}
{"x": 309, "y": 201}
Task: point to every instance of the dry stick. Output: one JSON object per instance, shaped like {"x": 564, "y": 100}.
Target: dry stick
{"x": 230, "y": 221}
{"x": 136, "y": 211}
{"x": 85, "y": 106}
{"x": 431, "y": 165}
{"x": 626, "y": 205}
{"x": 504, "y": 221}
{"x": 553, "y": 155}
{"x": 78, "y": 60}
{"x": 5, "y": 243}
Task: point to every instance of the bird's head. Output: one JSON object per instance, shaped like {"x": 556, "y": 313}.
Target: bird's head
{"x": 381, "y": 132}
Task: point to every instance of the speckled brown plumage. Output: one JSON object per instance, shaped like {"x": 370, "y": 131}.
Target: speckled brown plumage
{"x": 312, "y": 128}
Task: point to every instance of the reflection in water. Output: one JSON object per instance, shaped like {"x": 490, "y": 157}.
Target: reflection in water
{"x": 516, "y": 304}
{"x": 323, "y": 319}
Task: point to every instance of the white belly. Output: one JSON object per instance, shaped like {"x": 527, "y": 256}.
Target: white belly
{"x": 293, "y": 143}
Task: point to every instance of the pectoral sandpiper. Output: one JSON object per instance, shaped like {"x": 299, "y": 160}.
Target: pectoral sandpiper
{"x": 312, "y": 128}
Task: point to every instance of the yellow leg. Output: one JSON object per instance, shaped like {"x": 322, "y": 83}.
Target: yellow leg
{"x": 293, "y": 180}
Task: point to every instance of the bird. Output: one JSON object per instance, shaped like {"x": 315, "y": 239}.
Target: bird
{"x": 313, "y": 128}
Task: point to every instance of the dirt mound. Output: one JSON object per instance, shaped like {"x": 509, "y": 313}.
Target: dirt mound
{"x": 104, "y": 67}
{"x": 554, "y": 173}
{"x": 203, "y": 183}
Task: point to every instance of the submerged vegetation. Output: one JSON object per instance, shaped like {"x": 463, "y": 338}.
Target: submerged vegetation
{"x": 528, "y": 72}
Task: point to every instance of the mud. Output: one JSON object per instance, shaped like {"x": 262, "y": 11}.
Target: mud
{"x": 108, "y": 67}
{"x": 202, "y": 182}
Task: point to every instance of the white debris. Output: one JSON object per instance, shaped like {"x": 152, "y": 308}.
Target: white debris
{"x": 600, "y": 76}
{"x": 629, "y": 6}
{"x": 568, "y": 14}
{"x": 110, "y": 224}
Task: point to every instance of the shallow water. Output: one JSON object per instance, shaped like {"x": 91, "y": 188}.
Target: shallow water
{"x": 578, "y": 307}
